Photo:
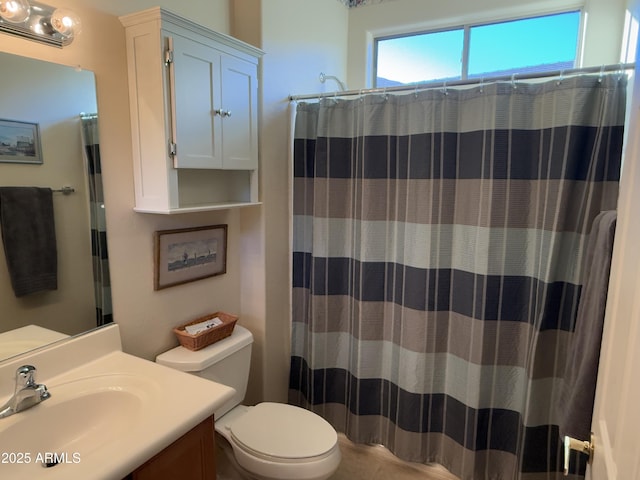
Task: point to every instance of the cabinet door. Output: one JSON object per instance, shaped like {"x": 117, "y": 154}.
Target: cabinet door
{"x": 239, "y": 114}
{"x": 195, "y": 80}
{"x": 191, "y": 457}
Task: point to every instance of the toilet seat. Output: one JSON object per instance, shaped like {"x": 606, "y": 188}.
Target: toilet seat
{"x": 283, "y": 432}
{"x": 280, "y": 441}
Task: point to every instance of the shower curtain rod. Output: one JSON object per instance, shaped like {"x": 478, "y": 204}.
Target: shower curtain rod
{"x": 430, "y": 85}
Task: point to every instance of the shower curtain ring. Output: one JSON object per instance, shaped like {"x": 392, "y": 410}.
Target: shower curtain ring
{"x": 601, "y": 74}
{"x": 444, "y": 89}
{"x": 513, "y": 81}
{"x": 561, "y": 78}
{"x": 482, "y": 85}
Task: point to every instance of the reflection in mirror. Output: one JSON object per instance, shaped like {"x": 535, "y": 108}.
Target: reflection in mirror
{"x": 54, "y": 97}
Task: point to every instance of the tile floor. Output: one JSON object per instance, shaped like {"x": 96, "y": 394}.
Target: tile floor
{"x": 361, "y": 462}
{"x": 365, "y": 462}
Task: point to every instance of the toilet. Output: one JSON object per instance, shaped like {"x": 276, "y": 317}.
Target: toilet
{"x": 269, "y": 441}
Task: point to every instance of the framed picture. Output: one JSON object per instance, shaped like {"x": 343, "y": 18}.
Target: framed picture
{"x": 189, "y": 254}
{"x": 19, "y": 142}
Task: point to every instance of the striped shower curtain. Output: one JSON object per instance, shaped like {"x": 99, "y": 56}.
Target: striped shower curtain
{"x": 99, "y": 250}
{"x": 437, "y": 239}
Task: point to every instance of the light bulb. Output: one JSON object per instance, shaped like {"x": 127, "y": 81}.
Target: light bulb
{"x": 15, "y": 11}
{"x": 65, "y": 22}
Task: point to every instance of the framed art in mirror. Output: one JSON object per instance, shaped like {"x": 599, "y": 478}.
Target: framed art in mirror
{"x": 189, "y": 254}
{"x": 20, "y": 142}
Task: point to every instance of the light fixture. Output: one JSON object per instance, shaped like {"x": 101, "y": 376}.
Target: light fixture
{"x": 65, "y": 22}
{"x": 39, "y": 22}
{"x": 15, "y": 11}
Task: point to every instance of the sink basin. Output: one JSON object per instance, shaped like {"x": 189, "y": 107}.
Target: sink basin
{"x": 81, "y": 416}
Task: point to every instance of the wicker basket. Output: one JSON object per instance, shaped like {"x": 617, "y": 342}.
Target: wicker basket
{"x": 209, "y": 336}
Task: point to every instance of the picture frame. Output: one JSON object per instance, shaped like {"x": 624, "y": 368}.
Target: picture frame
{"x": 189, "y": 254}
{"x": 20, "y": 142}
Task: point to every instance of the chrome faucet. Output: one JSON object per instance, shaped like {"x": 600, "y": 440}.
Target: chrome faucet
{"x": 27, "y": 393}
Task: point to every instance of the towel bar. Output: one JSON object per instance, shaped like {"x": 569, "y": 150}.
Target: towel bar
{"x": 66, "y": 190}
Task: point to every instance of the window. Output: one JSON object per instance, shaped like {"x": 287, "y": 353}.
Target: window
{"x": 532, "y": 44}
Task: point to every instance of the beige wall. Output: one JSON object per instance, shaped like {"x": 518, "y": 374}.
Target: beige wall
{"x": 296, "y": 52}
{"x": 301, "y": 39}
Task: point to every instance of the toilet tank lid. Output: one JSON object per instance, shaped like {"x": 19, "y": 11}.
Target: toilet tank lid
{"x": 186, "y": 360}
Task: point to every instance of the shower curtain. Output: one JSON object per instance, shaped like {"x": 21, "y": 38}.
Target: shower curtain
{"x": 99, "y": 250}
{"x": 437, "y": 239}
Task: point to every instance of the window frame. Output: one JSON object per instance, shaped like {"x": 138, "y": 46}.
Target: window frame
{"x": 466, "y": 28}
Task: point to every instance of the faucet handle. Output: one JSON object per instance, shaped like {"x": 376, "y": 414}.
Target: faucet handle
{"x": 25, "y": 376}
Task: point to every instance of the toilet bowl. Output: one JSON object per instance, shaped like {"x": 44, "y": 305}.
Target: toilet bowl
{"x": 269, "y": 441}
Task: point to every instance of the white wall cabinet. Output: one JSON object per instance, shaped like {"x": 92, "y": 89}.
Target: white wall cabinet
{"x": 194, "y": 115}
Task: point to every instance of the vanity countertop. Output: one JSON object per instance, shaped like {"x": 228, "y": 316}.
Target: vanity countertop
{"x": 105, "y": 417}
{"x": 26, "y": 338}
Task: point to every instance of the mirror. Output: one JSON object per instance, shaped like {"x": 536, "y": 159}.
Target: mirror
{"x": 48, "y": 99}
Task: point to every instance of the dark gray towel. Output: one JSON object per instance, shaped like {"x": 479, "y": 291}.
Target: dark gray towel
{"x": 28, "y": 235}
{"x": 575, "y": 402}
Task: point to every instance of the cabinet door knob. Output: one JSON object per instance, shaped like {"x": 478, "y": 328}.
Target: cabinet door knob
{"x": 222, "y": 112}
{"x": 227, "y": 113}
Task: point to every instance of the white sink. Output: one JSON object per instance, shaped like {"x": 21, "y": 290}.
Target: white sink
{"x": 80, "y": 417}
{"x": 104, "y": 418}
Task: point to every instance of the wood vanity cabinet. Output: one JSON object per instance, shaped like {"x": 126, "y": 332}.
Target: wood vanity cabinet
{"x": 194, "y": 115}
{"x": 191, "y": 457}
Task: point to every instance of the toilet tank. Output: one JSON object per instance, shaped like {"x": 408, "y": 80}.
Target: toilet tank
{"x": 226, "y": 361}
